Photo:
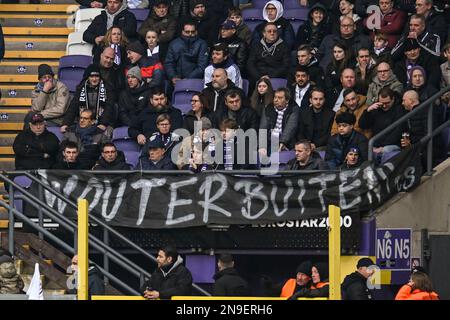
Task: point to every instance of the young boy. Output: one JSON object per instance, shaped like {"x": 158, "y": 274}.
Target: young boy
{"x": 243, "y": 32}
{"x": 381, "y": 51}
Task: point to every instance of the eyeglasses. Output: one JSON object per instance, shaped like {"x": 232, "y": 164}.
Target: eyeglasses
{"x": 347, "y": 25}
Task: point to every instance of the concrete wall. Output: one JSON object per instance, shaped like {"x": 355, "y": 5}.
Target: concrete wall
{"x": 428, "y": 206}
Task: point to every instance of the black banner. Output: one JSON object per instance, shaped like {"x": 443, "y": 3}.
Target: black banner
{"x": 146, "y": 200}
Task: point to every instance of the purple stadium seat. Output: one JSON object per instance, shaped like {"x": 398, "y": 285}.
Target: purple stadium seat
{"x": 322, "y": 154}
{"x": 282, "y": 157}
{"x": 252, "y": 17}
{"x": 245, "y": 84}
{"x": 140, "y": 14}
{"x": 24, "y": 182}
{"x": 123, "y": 142}
{"x": 296, "y": 17}
{"x": 56, "y": 132}
{"x": 388, "y": 155}
{"x": 292, "y": 4}
{"x": 259, "y": 4}
{"x": 183, "y": 92}
{"x": 132, "y": 158}
{"x": 71, "y": 69}
{"x": 278, "y": 83}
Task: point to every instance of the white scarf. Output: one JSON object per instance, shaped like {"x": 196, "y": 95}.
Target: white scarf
{"x": 279, "y": 124}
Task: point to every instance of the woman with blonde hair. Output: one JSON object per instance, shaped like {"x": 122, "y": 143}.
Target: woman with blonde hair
{"x": 117, "y": 40}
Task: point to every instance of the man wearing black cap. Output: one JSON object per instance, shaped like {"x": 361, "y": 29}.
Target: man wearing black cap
{"x": 35, "y": 147}
{"x": 152, "y": 71}
{"x": 50, "y": 97}
{"x": 161, "y": 21}
{"x": 414, "y": 54}
{"x": 355, "y": 286}
{"x": 302, "y": 280}
{"x": 340, "y": 143}
{"x": 237, "y": 48}
{"x": 92, "y": 93}
{"x": 156, "y": 159}
{"x": 352, "y": 159}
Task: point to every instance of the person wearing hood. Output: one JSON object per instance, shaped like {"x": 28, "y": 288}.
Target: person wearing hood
{"x": 156, "y": 156}
{"x": 92, "y": 93}
{"x": 152, "y": 71}
{"x": 418, "y": 82}
{"x": 161, "y": 21}
{"x": 111, "y": 159}
{"x": 228, "y": 282}
{"x": 207, "y": 22}
{"x": 145, "y": 124}
{"x": 10, "y": 281}
{"x": 187, "y": 56}
{"x": 115, "y": 14}
{"x": 384, "y": 78}
{"x": 237, "y": 48}
{"x": 269, "y": 56}
{"x": 273, "y": 13}
{"x": 49, "y": 98}
{"x": 314, "y": 29}
{"x": 347, "y": 137}
{"x": 354, "y": 286}
{"x": 171, "y": 277}
{"x": 320, "y": 286}
{"x": 134, "y": 98}
{"x": 220, "y": 58}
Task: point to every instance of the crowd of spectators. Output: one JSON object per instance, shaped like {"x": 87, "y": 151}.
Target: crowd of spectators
{"x": 349, "y": 74}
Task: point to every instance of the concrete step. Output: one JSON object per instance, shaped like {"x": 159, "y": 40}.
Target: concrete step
{"x": 11, "y": 126}
{"x": 21, "y": 67}
{"x": 6, "y": 151}
{"x": 35, "y": 44}
{"x": 12, "y": 116}
{"x": 69, "y": 8}
{"x": 31, "y": 54}
{"x": 7, "y": 139}
{"x": 15, "y": 102}
{"x": 37, "y": 31}
{"x": 36, "y": 20}
{"x": 7, "y": 164}
{"x": 16, "y": 91}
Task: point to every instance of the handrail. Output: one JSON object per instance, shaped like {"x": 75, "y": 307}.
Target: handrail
{"x": 97, "y": 244}
{"x": 64, "y": 245}
{"x": 422, "y": 106}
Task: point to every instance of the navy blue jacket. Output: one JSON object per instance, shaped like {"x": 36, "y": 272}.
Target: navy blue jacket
{"x": 164, "y": 164}
{"x": 186, "y": 58}
{"x": 338, "y": 147}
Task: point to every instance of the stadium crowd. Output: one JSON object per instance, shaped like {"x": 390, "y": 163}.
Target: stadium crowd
{"x": 348, "y": 74}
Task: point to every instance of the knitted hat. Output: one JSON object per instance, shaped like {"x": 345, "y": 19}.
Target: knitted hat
{"x": 137, "y": 47}
{"x": 91, "y": 70}
{"x": 44, "y": 69}
{"x": 424, "y": 73}
{"x": 135, "y": 72}
{"x": 305, "y": 268}
{"x": 158, "y": 2}
{"x": 364, "y": 262}
{"x": 411, "y": 44}
{"x": 193, "y": 3}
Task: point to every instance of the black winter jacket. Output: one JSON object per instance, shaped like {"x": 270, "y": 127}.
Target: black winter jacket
{"x": 145, "y": 123}
{"x": 246, "y": 118}
{"x": 338, "y": 147}
{"x": 309, "y": 35}
{"x": 190, "y": 118}
{"x": 322, "y": 123}
{"x": 238, "y": 50}
{"x": 354, "y": 287}
{"x": 285, "y": 32}
{"x": 118, "y": 164}
{"x": 164, "y": 164}
{"x": 177, "y": 281}
{"x": 131, "y": 103}
{"x": 216, "y": 97}
{"x": 290, "y": 123}
{"x": 230, "y": 283}
{"x": 125, "y": 20}
{"x": 315, "y": 162}
{"x": 30, "y": 149}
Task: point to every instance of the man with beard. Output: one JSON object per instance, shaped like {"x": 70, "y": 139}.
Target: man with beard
{"x": 301, "y": 88}
{"x": 145, "y": 124}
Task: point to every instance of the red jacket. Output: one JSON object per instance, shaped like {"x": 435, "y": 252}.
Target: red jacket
{"x": 392, "y": 25}
{"x": 405, "y": 294}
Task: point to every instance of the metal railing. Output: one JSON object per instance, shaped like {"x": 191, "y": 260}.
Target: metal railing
{"x": 100, "y": 245}
{"x": 430, "y": 132}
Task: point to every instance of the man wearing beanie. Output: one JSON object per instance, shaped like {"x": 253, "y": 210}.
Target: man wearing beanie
{"x": 93, "y": 94}
{"x": 161, "y": 21}
{"x": 340, "y": 143}
{"x": 134, "y": 98}
{"x": 49, "y": 98}
{"x": 354, "y": 286}
{"x": 302, "y": 280}
{"x": 207, "y": 22}
{"x": 152, "y": 71}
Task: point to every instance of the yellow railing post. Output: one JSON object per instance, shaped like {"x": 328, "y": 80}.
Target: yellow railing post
{"x": 334, "y": 251}
{"x": 83, "y": 260}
